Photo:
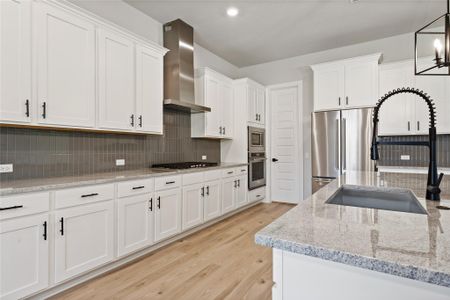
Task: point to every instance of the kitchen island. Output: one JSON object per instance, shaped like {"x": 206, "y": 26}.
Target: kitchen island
{"x": 329, "y": 251}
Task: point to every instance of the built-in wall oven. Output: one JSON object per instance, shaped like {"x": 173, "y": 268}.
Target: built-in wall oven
{"x": 256, "y": 158}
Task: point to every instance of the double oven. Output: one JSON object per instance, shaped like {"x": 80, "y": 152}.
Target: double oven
{"x": 256, "y": 157}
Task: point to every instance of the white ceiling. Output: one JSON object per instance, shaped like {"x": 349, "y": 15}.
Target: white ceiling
{"x": 270, "y": 30}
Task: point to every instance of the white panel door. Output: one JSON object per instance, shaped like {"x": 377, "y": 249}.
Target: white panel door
{"x": 329, "y": 88}
{"x": 252, "y": 104}
{"x": 261, "y": 106}
{"x": 24, "y": 254}
{"x": 149, "y": 90}
{"x": 213, "y": 118}
{"x": 66, "y": 68}
{"x": 167, "y": 214}
{"x": 229, "y": 186}
{"x": 15, "y": 60}
{"x": 286, "y": 175}
{"x": 241, "y": 191}
{"x": 135, "y": 223}
{"x": 193, "y": 197}
{"x": 227, "y": 103}
{"x": 83, "y": 238}
{"x": 212, "y": 203}
{"x": 116, "y": 81}
{"x": 397, "y": 113}
{"x": 361, "y": 84}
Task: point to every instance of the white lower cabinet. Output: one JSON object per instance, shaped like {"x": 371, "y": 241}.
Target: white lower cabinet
{"x": 193, "y": 197}
{"x": 241, "y": 191}
{"x": 212, "y": 203}
{"x": 167, "y": 214}
{"x": 228, "y": 194}
{"x": 24, "y": 251}
{"x": 135, "y": 223}
{"x": 83, "y": 238}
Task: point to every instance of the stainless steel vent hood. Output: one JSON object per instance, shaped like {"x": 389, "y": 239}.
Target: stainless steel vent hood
{"x": 179, "y": 68}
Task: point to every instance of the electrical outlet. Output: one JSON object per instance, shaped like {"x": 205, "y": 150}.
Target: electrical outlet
{"x": 204, "y": 157}
{"x": 405, "y": 157}
{"x": 6, "y": 168}
{"x": 120, "y": 162}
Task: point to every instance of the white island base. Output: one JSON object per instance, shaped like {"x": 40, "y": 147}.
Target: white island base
{"x": 299, "y": 277}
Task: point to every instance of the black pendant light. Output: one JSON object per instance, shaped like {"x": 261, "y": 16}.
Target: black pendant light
{"x": 435, "y": 37}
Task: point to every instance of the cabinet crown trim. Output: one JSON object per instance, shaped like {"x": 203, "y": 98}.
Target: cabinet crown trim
{"x": 365, "y": 58}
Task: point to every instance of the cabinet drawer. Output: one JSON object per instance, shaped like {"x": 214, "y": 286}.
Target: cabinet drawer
{"x": 257, "y": 195}
{"x": 84, "y": 195}
{"x": 193, "y": 178}
{"x": 169, "y": 182}
{"x": 228, "y": 173}
{"x": 135, "y": 187}
{"x": 241, "y": 170}
{"x": 213, "y": 175}
{"x": 22, "y": 205}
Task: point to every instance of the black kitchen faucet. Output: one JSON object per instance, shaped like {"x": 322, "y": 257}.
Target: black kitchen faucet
{"x": 433, "y": 191}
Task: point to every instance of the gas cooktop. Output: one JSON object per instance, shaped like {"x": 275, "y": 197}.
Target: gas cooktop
{"x": 185, "y": 165}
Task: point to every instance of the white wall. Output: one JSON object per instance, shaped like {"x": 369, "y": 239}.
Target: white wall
{"x": 205, "y": 58}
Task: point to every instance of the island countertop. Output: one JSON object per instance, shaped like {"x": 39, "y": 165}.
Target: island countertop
{"x": 414, "y": 246}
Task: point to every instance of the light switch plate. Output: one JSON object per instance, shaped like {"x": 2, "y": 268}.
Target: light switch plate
{"x": 120, "y": 162}
{"x": 405, "y": 157}
{"x": 204, "y": 157}
{"x": 6, "y": 168}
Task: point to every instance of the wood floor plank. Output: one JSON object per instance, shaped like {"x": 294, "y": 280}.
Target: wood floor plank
{"x": 218, "y": 262}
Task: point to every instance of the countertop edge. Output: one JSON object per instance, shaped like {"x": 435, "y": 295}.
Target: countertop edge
{"x": 364, "y": 262}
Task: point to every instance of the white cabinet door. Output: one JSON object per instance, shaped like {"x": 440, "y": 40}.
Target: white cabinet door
{"x": 241, "y": 191}
{"x": 83, "y": 238}
{"x": 213, "y": 118}
{"x": 167, "y": 214}
{"x": 149, "y": 90}
{"x": 193, "y": 197}
{"x": 329, "y": 88}
{"x": 116, "y": 81}
{"x": 24, "y": 254}
{"x": 361, "y": 84}
{"x": 227, "y": 103}
{"x": 397, "y": 112}
{"x": 261, "y": 105}
{"x": 252, "y": 104}
{"x": 66, "y": 68}
{"x": 135, "y": 223}
{"x": 229, "y": 186}
{"x": 212, "y": 203}
{"x": 15, "y": 61}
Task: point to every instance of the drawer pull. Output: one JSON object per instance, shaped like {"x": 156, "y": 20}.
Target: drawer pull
{"x": 257, "y": 196}
{"x": 231, "y": 172}
{"x": 89, "y": 195}
{"x": 170, "y": 182}
{"x": 61, "y": 230}
{"x": 138, "y": 187}
{"x": 243, "y": 170}
{"x": 45, "y": 230}
{"x": 11, "y": 207}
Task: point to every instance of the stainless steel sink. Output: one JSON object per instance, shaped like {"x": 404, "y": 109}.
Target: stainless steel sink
{"x": 395, "y": 199}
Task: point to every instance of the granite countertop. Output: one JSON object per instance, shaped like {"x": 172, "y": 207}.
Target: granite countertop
{"x": 54, "y": 183}
{"x": 415, "y": 246}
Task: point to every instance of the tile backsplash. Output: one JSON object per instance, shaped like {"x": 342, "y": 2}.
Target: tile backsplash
{"x": 50, "y": 153}
{"x": 419, "y": 156}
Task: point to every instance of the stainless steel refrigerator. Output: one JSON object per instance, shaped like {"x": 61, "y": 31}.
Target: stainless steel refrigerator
{"x": 340, "y": 142}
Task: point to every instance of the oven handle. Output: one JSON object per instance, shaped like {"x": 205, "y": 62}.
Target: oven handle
{"x": 257, "y": 159}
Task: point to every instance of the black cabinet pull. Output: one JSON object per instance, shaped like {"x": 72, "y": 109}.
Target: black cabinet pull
{"x": 231, "y": 172}
{"x": 45, "y": 230}
{"x": 61, "y": 230}
{"x": 11, "y": 207}
{"x": 220, "y": 129}
{"x": 418, "y": 125}
{"x": 44, "y": 110}
{"x": 235, "y": 184}
{"x": 132, "y": 120}
{"x": 339, "y": 100}
{"x": 224, "y": 129}
{"x": 138, "y": 187}
{"x": 151, "y": 204}
{"x": 170, "y": 182}
{"x": 207, "y": 190}
{"x": 203, "y": 192}
{"x": 256, "y": 117}
{"x": 409, "y": 126}
{"x": 140, "y": 121}
{"x": 89, "y": 195}
{"x": 159, "y": 203}
{"x": 239, "y": 183}
{"x": 346, "y": 100}
{"x": 27, "y": 107}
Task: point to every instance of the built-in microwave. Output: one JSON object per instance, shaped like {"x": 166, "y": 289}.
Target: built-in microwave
{"x": 256, "y": 139}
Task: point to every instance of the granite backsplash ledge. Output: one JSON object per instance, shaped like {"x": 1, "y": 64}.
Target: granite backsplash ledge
{"x": 49, "y": 153}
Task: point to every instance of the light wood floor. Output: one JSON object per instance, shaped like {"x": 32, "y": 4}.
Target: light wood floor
{"x": 219, "y": 262}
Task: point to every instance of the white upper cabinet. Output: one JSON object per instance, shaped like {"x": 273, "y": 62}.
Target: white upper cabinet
{"x": 15, "y": 61}
{"x": 349, "y": 83}
{"x": 213, "y": 90}
{"x": 255, "y": 103}
{"x": 66, "y": 68}
{"x": 149, "y": 90}
{"x": 116, "y": 81}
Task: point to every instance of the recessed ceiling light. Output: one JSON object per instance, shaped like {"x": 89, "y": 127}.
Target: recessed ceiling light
{"x": 232, "y": 11}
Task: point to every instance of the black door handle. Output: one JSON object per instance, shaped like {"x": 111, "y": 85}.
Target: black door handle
{"x": 274, "y": 159}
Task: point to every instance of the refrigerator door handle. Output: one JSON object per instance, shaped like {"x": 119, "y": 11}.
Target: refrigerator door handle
{"x": 344, "y": 144}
